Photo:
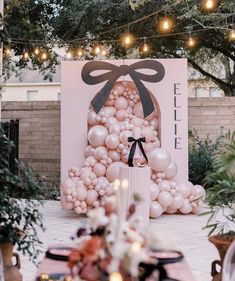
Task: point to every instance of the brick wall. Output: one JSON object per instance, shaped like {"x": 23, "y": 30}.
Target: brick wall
{"x": 39, "y": 143}
{"x": 209, "y": 115}
{"x": 39, "y": 135}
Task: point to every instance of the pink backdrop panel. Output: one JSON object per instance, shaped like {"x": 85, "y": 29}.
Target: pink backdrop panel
{"x": 171, "y": 94}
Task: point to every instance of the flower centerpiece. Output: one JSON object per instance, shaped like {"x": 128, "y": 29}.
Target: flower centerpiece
{"x": 111, "y": 247}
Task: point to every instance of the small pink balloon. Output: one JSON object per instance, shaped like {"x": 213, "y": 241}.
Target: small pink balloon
{"x": 148, "y": 147}
{"x": 164, "y": 185}
{"x": 148, "y": 133}
{"x": 171, "y": 210}
{"x": 124, "y": 158}
{"x": 71, "y": 174}
{"x": 156, "y": 210}
{"x": 114, "y": 155}
{"x": 91, "y": 118}
{"x": 92, "y": 196}
{"x": 109, "y": 102}
{"x": 77, "y": 203}
{"x": 100, "y": 152}
{"x": 184, "y": 189}
{"x": 78, "y": 210}
{"x": 69, "y": 198}
{"x": 68, "y": 184}
{"x": 124, "y": 137}
{"x": 197, "y": 208}
{"x": 186, "y": 208}
{"x": 115, "y": 129}
{"x": 111, "y": 121}
{"x": 112, "y": 141}
{"x": 109, "y": 110}
{"x": 109, "y": 190}
{"x": 87, "y": 181}
{"x": 90, "y": 150}
{"x": 165, "y": 199}
{"x": 159, "y": 159}
{"x": 121, "y": 115}
{"x": 99, "y": 170}
{"x": 154, "y": 123}
{"x": 121, "y": 103}
{"x": 171, "y": 171}
{"x": 198, "y": 191}
{"x": 112, "y": 172}
{"x": 178, "y": 201}
{"x": 137, "y": 122}
{"x": 154, "y": 191}
{"x": 97, "y": 135}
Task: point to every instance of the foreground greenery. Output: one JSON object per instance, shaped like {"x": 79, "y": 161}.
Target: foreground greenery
{"x": 64, "y": 22}
{"x": 20, "y": 202}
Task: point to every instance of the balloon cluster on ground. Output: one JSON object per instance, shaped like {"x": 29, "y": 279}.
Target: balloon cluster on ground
{"x": 108, "y": 149}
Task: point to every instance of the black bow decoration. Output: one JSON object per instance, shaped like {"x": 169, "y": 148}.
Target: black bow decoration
{"x": 117, "y": 71}
{"x": 133, "y": 148}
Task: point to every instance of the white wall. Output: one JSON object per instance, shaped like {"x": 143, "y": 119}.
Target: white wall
{"x": 18, "y": 91}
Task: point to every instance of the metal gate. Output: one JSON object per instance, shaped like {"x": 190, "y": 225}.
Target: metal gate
{"x": 11, "y": 130}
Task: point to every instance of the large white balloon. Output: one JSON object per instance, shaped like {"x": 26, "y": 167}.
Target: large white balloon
{"x": 156, "y": 210}
{"x": 159, "y": 159}
{"x": 184, "y": 188}
{"x": 178, "y": 201}
{"x": 112, "y": 172}
{"x": 171, "y": 171}
{"x": 165, "y": 199}
{"x": 154, "y": 191}
{"x": 97, "y": 135}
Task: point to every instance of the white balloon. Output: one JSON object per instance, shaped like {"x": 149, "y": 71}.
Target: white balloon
{"x": 154, "y": 191}
{"x": 178, "y": 201}
{"x": 184, "y": 188}
{"x": 159, "y": 159}
{"x": 186, "y": 208}
{"x": 171, "y": 171}
{"x": 156, "y": 210}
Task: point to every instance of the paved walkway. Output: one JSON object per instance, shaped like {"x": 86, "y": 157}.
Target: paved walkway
{"x": 185, "y": 230}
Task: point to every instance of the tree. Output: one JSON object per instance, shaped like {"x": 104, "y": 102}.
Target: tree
{"x": 83, "y": 23}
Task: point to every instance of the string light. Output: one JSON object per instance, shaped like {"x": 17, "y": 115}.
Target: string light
{"x": 115, "y": 276}
{"x": 145, "y": 48}
{"x": 232, "y": 35}
{"x": 26, "y": 55}
{"x": 127, "y": 39}
{"x": 166, "y": 24}
{"x": 44, "y": 56}
{"x": 36, "y": 51}
{"x": 97, "y": 50}
{"x": 209, "y": 4}
{"x": 8, "y": 51}
{"x": 80, "y": 53}
{"x": 104, "y": 52}
{"x": 69, "y": 55}
{"x": 191, "y": 42}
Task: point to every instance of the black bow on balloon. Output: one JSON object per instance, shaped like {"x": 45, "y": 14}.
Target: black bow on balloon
{"x": 117, "y": 71}
{"x": 133, "y": 148}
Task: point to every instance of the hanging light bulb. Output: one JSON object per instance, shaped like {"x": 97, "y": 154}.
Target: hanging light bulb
{"x": 44, "y": 56}
{"x": 97, "y": 50}
{"x": 36, "y": 51}
{"x": 145, "y": 48}
{"x": 80, "y": 53}
{"x": 127, "y": 39}
{"x": 115, "y": 276}
{"x": 209, "y": 4}
{"x": 166, "y": 24}
{"x": 232, "y": 35}
{"x": 8, "y": 51}
{"x": 104, "y": 53}
{"x": 191, "y": 42}
{"x": 69, "y": 55}
{"x": 26, "y": 55}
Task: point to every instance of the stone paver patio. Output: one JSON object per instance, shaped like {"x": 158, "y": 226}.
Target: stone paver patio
{"x": 185, "y": 230}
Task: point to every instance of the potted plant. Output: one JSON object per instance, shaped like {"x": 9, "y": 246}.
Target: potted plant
{"x": 220, "y": 199}
{"x": 20, "y": 217}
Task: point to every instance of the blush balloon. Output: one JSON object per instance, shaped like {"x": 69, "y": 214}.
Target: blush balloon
{"x": 178, "y": 201}
{"x": 198, "y": 191}
{"x": 109, "y": 110}
{"x": 137, "y": 122}
{"x": 165, "y": 199}
{"x": 91, "y": 118}
{"x": 159, "y": 159}
{"x": 148, "y": 133}
{"x": 81, "y": 194}
{"x": 112, "y": 141}
{"x": 121, "y": 115}
{"x": 115, "y": 129}
{"x": 99, "y": 170}
{"x": 89, "y": 151}
{"x": 121, "y": 103}
{"x": 156, "y": 210}
{"x": 154, "y": 123}
{"x": 184, "y": 189}
{"x": 112, "y": 172}
{"x": 97, "y": 135}
{"x": 68, "y": 184}
{"x": 164, "y": 185}
{"x": 171, "y": 210}
{"x": 186, "y": 208}
{"x": 171, "y": 171}
{"x": 92, "y": 196}
{"x": 111, "y": 121}
{"x": 154, "y": 191}
{"x": 100, "y": 152}
{"x": 114, "y": 155}
{"x": 124, "y": 137}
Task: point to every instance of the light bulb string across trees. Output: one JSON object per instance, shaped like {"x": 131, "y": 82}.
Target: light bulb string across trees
{"x": 76, "y": 47}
